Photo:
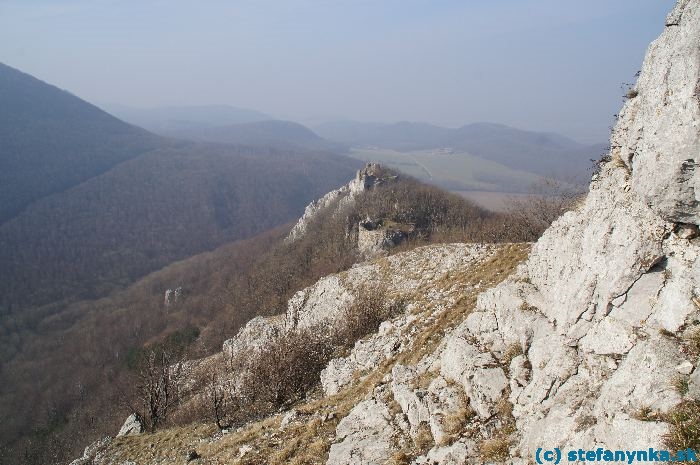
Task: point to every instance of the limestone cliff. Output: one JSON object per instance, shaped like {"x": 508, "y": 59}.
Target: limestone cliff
{"x": 334, "y": 200}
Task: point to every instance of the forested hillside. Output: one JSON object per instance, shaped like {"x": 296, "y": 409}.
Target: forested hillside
{"x": 162, "y": 206}
{"x": 89, "y": 203}
{"x": 51, "y": 141}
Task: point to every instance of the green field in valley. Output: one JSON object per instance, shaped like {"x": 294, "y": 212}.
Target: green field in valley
{"x": 458, "y": 171}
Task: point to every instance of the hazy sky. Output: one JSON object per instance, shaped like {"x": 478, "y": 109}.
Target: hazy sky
{"x": 535, "y": 64}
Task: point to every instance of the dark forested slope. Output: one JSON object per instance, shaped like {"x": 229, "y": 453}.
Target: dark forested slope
{"x": 142, "y": 214}
{"x": 51, "y": 140}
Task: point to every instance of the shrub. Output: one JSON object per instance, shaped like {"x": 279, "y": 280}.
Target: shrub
{"x": 548, "y": 200}
{"x": 157, "y": 386}
{"x": 369, "y": 309}
{"x": 283, "y": 372}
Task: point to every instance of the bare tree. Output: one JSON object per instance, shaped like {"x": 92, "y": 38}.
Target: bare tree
{"x": 216, "y": 395}
{"x": 547, "y": 201}
{"x": 158, "y": 382}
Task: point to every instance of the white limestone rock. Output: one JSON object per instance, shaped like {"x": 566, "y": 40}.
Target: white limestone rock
{"x": 414, "y": 403}
{"x": 92, "y": 451}
{"x": 132, "y": 426}
{"x": 254, "y": 336}
{"x": 365, "y": 436}
{"x": 337, "y": 374}
{"x": 483, "y": 383}
{"x": 626, "y": 433}
{"x": 336, "y": 199}
{"x": 694, "y": 384}
{"x": 458, "y": 453}
{"x": 685, "y": 368}
{"x": 643, "y": 379}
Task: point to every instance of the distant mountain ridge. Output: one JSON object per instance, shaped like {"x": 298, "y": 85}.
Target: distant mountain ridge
{"x": 165, "y": 120}
{"x": 543, "y": 153}
{"x": 271, "y": 133}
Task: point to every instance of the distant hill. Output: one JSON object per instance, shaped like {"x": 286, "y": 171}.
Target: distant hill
{"x": 397, "y": 136}
{"x": 547, "y": 154}
{"x": 166, "y": 120}
{"x": 51, "y": 141}
{"x": 543, "y": 154}
{"x": 273, "y": 133}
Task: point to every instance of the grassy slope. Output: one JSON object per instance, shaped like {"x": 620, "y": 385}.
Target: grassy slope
{"x": 309, "y": 441}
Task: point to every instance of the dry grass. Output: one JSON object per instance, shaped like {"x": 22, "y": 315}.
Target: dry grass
{"x": 684, "y": 420}
{"x": 691, "y": 341}
{"x": 423, "y": 380}
{"x": 423, "y": 439}
{"x": 668, "y": 334}
{"x": 400, "y": 458}
{"x": 680, "y": 384}
{"x": 487, "y": 273}
{"x": 618, "y": 162}
{"x": 512, "y": 351}
{"x": 454, "y": 423}
{"x": 584, "y": 422}
{"x": 495, "y": 449}
{"x": 646, "y": 413}
{"x": 504, "y": 408}
{"x": 308, "y": 441}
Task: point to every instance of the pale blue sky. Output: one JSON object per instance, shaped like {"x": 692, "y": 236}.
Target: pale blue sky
{"x": 535, "y": 64}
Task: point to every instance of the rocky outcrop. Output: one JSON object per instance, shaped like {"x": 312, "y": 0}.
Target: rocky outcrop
{"x": 132, "y": 426}
{"x": 254, "y": 336}
{"x": 336, "y": 199}
{"x": 375, "y": 238}
{"x": 93, "y": 452}
{"x": 172, "y": 296}
{"x": 607, "y": 282}
{"x": 364, "y": 436}
{"x": 325, "y": 301}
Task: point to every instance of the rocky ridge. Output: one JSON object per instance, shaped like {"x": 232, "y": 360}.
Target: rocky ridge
{"x": 336, "y": 199}
{"x": 591, "y": 342}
